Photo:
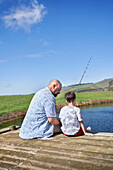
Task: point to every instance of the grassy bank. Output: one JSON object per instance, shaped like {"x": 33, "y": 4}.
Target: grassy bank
{"x": 14, "y": 103}
{"x": 17, "y": 103}
{"x": 86, "y": 96}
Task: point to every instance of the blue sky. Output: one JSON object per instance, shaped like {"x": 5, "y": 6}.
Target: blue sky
{"x": 47, "y": 39}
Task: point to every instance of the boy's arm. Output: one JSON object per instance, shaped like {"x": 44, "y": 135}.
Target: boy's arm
{"x": 84, "y": 130}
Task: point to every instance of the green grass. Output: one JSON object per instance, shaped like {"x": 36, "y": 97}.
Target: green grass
{"x": 85, "y": 96}
{"x": 16, "y": 103}
{"x": 81, "y": 87}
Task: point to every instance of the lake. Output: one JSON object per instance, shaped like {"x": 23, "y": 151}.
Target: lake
{"x": 99, "y": 118}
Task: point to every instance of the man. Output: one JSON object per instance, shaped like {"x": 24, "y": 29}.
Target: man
{"x": 41, "y": 115}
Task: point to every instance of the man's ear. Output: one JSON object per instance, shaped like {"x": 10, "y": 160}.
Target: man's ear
{"x": 54, "y": 86}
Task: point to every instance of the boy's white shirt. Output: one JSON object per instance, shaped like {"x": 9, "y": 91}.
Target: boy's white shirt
{"x": 70, "y": 117}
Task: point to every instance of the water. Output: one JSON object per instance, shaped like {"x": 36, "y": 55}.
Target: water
{"x": 9, "y": 123}
{"x": 99, "y": 118}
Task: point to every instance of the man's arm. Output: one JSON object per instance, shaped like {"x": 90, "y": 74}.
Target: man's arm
{"x": 54, "y": 121}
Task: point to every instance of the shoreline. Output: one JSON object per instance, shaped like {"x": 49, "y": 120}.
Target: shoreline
{"x": 89, "y": 103}
{"x": 13, "y": 116}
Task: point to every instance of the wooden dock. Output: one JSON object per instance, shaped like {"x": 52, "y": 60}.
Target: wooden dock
{"x": 61, "y": 152}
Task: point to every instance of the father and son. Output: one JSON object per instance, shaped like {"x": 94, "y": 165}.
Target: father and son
{"x": 40, "y": 119}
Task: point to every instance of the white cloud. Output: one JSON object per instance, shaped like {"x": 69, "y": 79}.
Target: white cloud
{"x": 52, "y": 51}
{"x": 25, "y": 16}
{"x": 34, "y": 56}
{"x": 3, "y": 61}
{"x": 41, "y": 54}
{"x": 44, "y": 42}
{"x": 6, "y": 85}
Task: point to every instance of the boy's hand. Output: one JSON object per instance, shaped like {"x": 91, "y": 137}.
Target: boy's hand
{"x": 89, "y": 134}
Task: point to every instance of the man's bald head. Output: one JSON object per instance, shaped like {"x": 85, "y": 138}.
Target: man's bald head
{"x": 55, "y": 87}
{"x": 55, "y": 81}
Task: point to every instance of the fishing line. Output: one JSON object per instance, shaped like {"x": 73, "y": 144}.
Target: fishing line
{"x": 83, "y": 74}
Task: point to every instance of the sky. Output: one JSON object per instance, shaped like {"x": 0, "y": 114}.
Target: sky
{"x": 41, "y": 40}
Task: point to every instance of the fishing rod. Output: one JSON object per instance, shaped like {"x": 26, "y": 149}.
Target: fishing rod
{"x": 83, "y": 74}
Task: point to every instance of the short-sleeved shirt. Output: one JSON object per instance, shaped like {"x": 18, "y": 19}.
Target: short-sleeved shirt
{"x": 70, "y": 117}
{"x": 36, "y": 124}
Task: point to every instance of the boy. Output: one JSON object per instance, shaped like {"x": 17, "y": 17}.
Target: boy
{"x": 71, "y": 119}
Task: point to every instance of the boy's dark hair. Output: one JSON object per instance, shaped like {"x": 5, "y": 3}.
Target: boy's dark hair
{"x": 70, "y": 96}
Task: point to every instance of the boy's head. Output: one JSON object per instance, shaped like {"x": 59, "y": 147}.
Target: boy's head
{"x": 70, "y": 97}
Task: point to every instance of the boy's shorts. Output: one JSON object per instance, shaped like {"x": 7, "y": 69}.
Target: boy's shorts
{"x": 80, "y": 132}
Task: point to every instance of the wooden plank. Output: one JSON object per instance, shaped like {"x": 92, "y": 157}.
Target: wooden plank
{"x": 60, "y": 152}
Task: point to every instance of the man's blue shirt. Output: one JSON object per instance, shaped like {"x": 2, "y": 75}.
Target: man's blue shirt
{"x": 36, "y": 124}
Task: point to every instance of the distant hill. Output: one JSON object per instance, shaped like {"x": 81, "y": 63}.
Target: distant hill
{"x": 104, "y": 83}
{"x": 99, "y": 86}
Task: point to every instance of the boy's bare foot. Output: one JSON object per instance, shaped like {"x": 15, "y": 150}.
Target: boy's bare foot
{"x": 88, "y": 128}
{"x": 87, "y": 133}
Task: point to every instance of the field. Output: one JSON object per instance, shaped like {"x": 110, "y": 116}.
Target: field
{"x": 86, "y": 96}
{"x": 16, "y": 103}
